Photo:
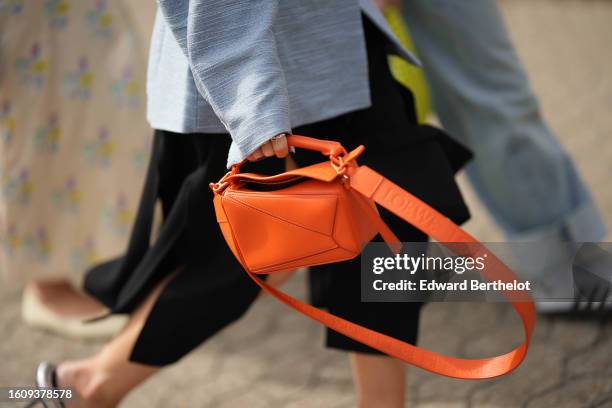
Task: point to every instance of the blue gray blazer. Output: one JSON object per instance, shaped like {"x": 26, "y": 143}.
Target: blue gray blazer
{"x": 257, "y": 68}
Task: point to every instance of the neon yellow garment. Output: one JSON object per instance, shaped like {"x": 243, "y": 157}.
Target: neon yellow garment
{"x": 409, "y": 75}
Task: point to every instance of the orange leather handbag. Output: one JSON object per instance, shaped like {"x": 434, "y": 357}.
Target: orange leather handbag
{"x": 325, "y": 213}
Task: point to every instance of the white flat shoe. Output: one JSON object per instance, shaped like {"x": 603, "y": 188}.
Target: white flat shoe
{"x": 36, "y": 314}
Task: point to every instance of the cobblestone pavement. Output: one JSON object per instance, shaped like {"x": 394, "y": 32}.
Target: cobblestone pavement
{"x": 274, "y": 358}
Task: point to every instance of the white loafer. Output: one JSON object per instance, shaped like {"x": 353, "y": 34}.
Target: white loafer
{"x": 36, "y": 314}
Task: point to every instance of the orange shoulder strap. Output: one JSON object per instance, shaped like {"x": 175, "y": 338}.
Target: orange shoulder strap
{"x": 414, "y": 211}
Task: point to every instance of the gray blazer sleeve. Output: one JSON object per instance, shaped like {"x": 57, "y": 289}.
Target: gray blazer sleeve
{"x": 232, "y": 54}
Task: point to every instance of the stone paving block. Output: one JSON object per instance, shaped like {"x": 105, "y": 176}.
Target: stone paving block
{"x": 581, "y": 391}
{"x": 572, "y": 334}
{"x": 597, "y": 358}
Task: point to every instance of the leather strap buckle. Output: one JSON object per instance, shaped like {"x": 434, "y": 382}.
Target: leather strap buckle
{"x": 222, "y": 184}
{"x": 339, "y": 164}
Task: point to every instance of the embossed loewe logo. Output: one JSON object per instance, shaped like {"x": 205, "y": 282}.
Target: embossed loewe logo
{"x": 400, "y": 201}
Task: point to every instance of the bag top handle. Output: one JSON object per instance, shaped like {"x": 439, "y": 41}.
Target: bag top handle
{"x": 326, "y": 147}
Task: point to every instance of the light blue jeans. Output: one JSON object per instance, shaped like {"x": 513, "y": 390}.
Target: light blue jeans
{"x": 482, "y": 97}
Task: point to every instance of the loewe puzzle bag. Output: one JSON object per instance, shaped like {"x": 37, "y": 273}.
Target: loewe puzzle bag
{"x": 325, "y": 213}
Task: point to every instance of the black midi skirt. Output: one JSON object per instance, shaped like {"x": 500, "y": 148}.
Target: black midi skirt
{"x": 210, "y": 290}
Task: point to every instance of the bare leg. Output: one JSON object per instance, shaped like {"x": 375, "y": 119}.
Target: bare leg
{"x": 380, "y": 381}
{"x": 103, "y": 380}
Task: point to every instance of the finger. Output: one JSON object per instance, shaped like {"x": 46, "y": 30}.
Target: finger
{"x": 256, "y": 155}
{"x": 267, "y": 149}
{"x": 280, "y": 146}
